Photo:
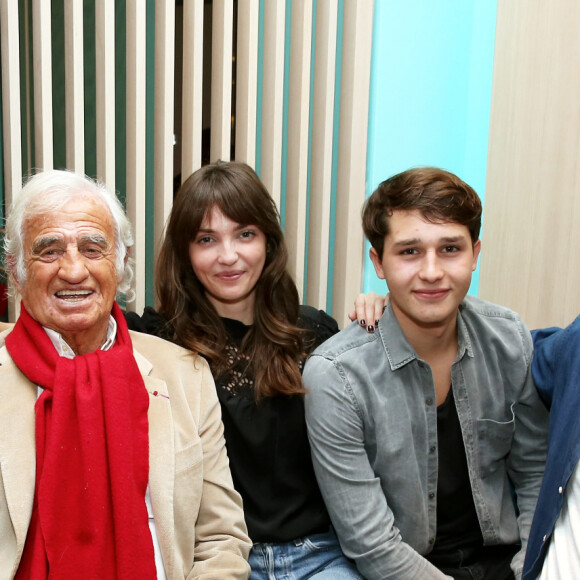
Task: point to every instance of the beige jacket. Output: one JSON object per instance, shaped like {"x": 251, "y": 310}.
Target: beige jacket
{"x": 198, "y": 514}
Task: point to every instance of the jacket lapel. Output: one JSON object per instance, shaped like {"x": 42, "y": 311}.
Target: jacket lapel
{"x": 161, "y": 461}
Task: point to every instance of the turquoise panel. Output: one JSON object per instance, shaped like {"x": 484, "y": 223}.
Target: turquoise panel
{"x": 430, "y": 98}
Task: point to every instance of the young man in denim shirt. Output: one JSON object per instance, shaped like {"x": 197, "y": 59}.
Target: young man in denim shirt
{"x": 428, "y": 436}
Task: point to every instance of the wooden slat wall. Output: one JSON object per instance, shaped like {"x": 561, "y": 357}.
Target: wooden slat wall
{"x": 192, "y": 87}
{"x": 136, "y": 139}
{"x": 247, "y": 80}
{"x": 11, "y": 112}
{"x": 273, "y": 96}
{"x": 164, "y": 93}
{"x": 298, "y": 137}
{"x": 221, "y": 80}
{"x": 105, "y": 88}
{"x": 42, "y": 48}
{"x": 350, "y": 191}
{"x": 530, "y": 234}
{"x": 74, "y": 86}
{"x": 323, "y": 104}
{"x": 288, "y": 131}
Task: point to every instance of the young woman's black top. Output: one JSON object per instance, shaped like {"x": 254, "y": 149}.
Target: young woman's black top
{"x": 266, "y": 441}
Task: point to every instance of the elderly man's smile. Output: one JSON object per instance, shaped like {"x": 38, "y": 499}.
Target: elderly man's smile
{"x": 73, "y": 295}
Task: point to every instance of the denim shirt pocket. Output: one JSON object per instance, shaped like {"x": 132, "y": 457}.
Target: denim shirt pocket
{"x": 494, "y": 443}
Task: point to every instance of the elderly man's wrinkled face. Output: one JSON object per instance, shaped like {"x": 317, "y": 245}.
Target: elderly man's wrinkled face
{"x": 71, "y": 276}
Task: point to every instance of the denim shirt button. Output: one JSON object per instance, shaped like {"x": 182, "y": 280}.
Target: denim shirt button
{"x": 429, "y": 402}
{"x": 431, "y": 495}
{"x": 431, "y": 540}
{"x": 432, "y": 449}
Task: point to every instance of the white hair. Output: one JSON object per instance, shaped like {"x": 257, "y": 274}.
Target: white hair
{"x": 49, "y": 192}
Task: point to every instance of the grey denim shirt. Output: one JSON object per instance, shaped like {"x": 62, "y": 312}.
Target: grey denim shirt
{"x": 372, "y": 422}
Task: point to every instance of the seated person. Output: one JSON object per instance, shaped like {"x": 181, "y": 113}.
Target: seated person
{"x": 554, "y": 544}
{"x": 224, "y": 291}
{"x": 421, "y": 431}
{"x": 112, "y": 455}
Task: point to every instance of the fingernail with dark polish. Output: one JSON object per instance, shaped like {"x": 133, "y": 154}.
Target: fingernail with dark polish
{"x": 363, "y": 322}
{"x": 370, "y": 328}
{"x": 376, "y": 323}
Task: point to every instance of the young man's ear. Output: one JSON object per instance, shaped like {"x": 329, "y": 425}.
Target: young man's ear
{"x": 377, "y": 263}
{"x": 476, "y": 250}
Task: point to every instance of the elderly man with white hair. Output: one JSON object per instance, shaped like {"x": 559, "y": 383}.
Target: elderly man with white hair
{"x": 112, "y": 456}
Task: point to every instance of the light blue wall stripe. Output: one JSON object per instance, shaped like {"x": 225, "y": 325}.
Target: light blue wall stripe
{"x": 430, "y": 98}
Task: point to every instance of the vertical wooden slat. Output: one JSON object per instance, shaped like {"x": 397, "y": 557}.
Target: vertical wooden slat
{"x": 221, "y": 79}
{"x": 74, "y": 86}
{"x": 11, "y": 112}
{"x": 105, "y": 90}
{"x": 273, "y": 96}
{"x": 42, "y": 51}
{"x": 136, "y": 138}
{"x": 27, "y": 88}
{"x": 192, "y": 94}
{"x": 164, "y": 93}
{"x": 298, "y": 137}
{"x": 350, "y": 193}
{"x": 321, "y": 152}
{"x": 247, "y": 80}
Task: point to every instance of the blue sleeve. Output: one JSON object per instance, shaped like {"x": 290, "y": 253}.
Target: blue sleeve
{"x": 547, "y": 343}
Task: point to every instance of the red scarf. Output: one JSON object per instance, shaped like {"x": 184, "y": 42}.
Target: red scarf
{"x": 89, "y": 518}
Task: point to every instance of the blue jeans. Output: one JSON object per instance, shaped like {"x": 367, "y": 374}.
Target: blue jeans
{"x": 316, "y": 557}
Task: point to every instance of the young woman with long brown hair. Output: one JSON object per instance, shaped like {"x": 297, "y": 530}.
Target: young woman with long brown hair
{"x": 225, "y": 293}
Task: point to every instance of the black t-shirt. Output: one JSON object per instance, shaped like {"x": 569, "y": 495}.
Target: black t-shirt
{"x": 267, "y": 441}
{"x": 457, "y": 523}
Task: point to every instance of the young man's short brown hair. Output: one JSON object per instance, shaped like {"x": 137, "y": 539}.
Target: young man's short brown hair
{"x": 439, "y": 195}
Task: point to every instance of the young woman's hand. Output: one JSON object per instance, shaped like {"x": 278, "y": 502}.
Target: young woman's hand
{"x": 368, "y": 310}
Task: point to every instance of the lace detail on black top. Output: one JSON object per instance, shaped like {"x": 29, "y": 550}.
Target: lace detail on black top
{"x": 237, "y": 380}
{"x": 267, "y": 442}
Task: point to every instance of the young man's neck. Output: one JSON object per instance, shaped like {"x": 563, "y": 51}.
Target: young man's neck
{"x": 437, "y": 346}
{"x": 429, "y": 341}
